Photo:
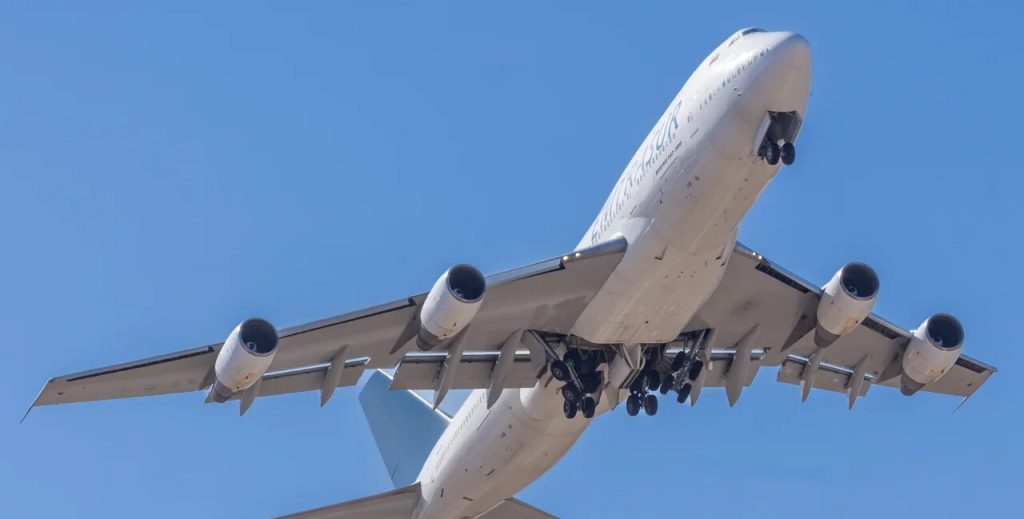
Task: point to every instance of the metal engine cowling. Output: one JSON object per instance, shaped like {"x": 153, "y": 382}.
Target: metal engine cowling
{"x": 451, "y": 304}
{"x": 931, "y": 352}
{"x": 244, "y": 358}
{"x": 846, "y": 300}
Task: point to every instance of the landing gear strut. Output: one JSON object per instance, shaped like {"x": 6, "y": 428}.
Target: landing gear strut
{"x": 578, "y": 369}
{"x": 639, "y": 395}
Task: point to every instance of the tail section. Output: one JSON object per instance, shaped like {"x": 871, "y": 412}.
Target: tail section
{"x": 404, "y": 426}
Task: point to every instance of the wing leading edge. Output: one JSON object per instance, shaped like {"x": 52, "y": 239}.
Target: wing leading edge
{"x": 757, "y": 292}
{"x": 548, "y": 295}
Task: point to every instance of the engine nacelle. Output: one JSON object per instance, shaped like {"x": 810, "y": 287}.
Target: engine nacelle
{"x": 931, "y": 352}
{"x": 244, "y": 358}
{"x": 846, "y": 300}
{"x": 451, "y": 305}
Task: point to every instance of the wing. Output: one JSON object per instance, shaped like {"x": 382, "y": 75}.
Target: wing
{"x": 755, "y": 291}
{"x": 332, "y": 352}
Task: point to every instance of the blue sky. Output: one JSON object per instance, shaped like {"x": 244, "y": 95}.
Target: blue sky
{"x": 168, "y": 170}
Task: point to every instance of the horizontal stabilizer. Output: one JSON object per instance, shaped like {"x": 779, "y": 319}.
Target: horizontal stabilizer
{"x": 396, "y": 504}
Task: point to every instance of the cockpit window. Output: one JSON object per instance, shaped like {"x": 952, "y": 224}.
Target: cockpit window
{"x": 743, "y": 32}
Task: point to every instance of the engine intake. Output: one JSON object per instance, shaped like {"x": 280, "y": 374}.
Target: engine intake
{"x": 451, "y": 305}
{"x": 931, "y": 352}
{"x": 244, "y": 358}
{"x": 846, "y": 300}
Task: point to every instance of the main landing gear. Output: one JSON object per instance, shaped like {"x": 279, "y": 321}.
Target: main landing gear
{"x": 578, "y": 369}
{"x": 639, "y": 393}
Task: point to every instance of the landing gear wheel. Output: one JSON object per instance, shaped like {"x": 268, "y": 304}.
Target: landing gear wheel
{"x": 667, "y": 383}
{"x": 651, "y": 405}
{"x": 695, "y": 369}
{"x": 590, "y": 383}
{"x": 569, "y": 408}
{"x": 571, "y": 393}
{"x": 559, "y": 370}
{"x": 771, "y": 153}
{"x": 653, "y": 380}
{"x": 633, "y": 405}
{"x": 788, "y": 153}
{"x": 678, "y": 361}
{"x": 588, "y": 406}
{"x": 684, "y": 393}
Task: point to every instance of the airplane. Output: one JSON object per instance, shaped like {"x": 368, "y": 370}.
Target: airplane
{"x": 657, "y": 299}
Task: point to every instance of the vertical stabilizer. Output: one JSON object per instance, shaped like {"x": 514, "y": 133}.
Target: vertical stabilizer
{"x": 404, "y": 426}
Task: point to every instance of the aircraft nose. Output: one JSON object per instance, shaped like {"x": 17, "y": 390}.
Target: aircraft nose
{"x": 791, "y": 50}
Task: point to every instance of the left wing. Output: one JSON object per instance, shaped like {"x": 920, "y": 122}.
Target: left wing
{"x": 758, "y": 293}
{"x": 332, "y": 352}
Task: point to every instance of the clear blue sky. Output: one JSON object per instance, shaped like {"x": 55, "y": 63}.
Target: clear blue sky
{"x": 168, "y": 170}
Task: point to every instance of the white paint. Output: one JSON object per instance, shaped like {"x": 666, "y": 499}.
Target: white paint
{"x": 925, "y": 362}
{"x": 444, "y": 315}
{"x": 236, "y": 366}
{"x": 679, "y": 203}
{"x": 840, "y": 313}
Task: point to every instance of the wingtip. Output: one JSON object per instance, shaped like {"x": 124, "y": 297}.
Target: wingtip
{"x": 24, "y": 416}
{"x": 35, "y": 401}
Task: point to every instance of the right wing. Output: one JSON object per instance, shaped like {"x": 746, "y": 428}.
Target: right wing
{"x": 757, "y": 292}
{"x": 548, "y": 295}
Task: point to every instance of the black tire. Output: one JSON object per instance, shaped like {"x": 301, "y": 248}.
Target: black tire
{"x": 678, "y": 361}
{"x": 684, "y": 393}
{"x": 569, "y": 408}
{"x": 588, "y": 406}
{"x": 771, "y": 153}
{"x": 651, "y": 405}
{"x": 695, "y": 369}
{"x": 667, "y": 383}
{"x": 571, "y": 393}
{"x": 653, "y": 380}
{"x": 632, "y": 405}
{"x": 788, "y": 153}
{"x": 559, "y": 370}
{"x": 590, "y": 383}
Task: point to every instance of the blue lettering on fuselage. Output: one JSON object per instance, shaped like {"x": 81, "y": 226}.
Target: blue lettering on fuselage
{"x": 654, "y": 150}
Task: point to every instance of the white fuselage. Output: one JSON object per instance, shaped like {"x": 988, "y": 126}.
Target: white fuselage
{"x": 678, "y": 203}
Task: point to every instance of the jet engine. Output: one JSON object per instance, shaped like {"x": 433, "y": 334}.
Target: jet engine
{"x": 244, "y": 358}
{"x": 451, "y": 305}
{"x": 845, "y": 301}
{"x": 931, "y": 352}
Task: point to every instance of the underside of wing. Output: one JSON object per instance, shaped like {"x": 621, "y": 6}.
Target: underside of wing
{"x": 759, "y": 298}
{"x": 333, "y": 352}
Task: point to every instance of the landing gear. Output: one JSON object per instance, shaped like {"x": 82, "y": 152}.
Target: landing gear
{"x": 578, "y": 369}
{"x": 571, "y": 393}
{"x": 771, "y": 153}
{"x": 651, "y": 405}
{"x": 684, "y": 393}
{"x": 633, "y": 405}
{"x": 569, "y": 408}
{"x": 639, "y": 396}
{"x": 560, "y": 371}
{"x": 667, "y": 383}
{"x": 588, "y": 406}
{"x": 788, "y": 153}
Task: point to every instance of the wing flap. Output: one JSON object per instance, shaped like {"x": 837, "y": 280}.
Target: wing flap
{"x": 474, "y": 371}
{"x": 548, "y": 295}
{"x": 755, "y": 291}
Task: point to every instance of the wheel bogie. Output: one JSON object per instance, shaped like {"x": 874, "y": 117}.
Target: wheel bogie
{"x": 651, "y": 405}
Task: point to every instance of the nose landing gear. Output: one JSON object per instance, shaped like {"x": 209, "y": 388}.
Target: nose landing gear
{"x": 771, "y": 152}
